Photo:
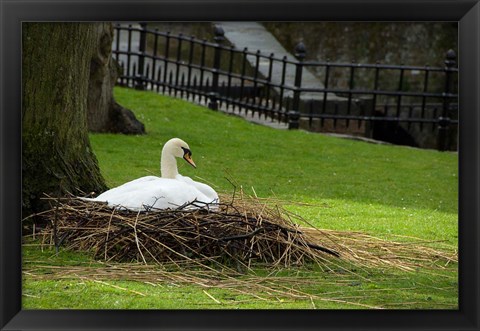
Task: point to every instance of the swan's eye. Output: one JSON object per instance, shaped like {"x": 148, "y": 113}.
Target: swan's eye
{"x": 186, "y": 151}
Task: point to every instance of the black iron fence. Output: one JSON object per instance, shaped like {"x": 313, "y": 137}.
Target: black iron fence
{"x": 412, "y": 105}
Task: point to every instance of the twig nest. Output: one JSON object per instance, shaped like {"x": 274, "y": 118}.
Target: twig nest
{"x": 241, "y": 232}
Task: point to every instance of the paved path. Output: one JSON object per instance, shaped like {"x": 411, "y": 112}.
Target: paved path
{"x": 257, "y": 119}
{"x": 254, "y": 36}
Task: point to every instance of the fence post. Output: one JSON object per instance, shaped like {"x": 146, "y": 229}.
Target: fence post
{"x": 294, "y": 114}
{"x": 444, "y": 121}
{"x": 213, "y": 94}
{"x": 140, "y": 78}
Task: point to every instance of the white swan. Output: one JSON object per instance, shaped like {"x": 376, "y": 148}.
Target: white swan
{"x": 170, "y": 191}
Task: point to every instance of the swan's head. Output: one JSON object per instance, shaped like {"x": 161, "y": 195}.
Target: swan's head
{"x": 178, "y": 148}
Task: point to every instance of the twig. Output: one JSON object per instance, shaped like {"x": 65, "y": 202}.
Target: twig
{"x": 242, "y": 236}
{"x": 211, "y": 297}
{"x": 136, "y": 238}
{"x": 114, "y": 286}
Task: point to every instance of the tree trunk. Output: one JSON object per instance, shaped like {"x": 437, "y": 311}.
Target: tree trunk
{"x": 104, "y": 113}
{"x": 56, "y": 152}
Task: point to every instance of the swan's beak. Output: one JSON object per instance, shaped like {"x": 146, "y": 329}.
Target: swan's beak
{"x": 188, "y": 157}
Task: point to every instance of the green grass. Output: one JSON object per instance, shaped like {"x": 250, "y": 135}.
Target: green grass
{"x": 333, "y": 290}
{"x": 383, "y": 190}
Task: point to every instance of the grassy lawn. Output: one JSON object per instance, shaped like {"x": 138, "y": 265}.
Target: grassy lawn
{"x": 391, "y": 192}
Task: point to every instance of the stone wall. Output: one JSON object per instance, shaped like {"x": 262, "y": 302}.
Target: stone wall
{"x": 410, "y": 43}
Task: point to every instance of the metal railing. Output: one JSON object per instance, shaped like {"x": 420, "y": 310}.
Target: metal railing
{"x": 415, "y": 100}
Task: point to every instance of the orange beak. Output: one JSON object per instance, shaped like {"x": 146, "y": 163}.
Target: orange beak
{"x": 188, "y": 158}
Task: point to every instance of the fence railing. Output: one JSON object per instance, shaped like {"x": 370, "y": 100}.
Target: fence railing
{"x": 373, "y": 100}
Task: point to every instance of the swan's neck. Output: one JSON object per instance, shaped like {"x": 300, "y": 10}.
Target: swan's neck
{"x": 168, "y": 165}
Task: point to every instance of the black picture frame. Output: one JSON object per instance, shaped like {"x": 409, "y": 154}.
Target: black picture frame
{"x": 13, "y": 13}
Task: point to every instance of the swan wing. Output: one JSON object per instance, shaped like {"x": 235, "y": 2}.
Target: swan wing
{"x": 132, "y": 186}
{"x": 207, "y": 191}
{"x": 158, "y": 193}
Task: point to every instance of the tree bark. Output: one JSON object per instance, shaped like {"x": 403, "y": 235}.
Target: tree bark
{"x": 104, "y": 113}
{"x": 56, "y": 154}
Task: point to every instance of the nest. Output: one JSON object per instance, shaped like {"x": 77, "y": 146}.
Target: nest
{"x": 242, "y": 232}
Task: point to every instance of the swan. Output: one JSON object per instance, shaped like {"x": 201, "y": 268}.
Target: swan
{"x": 170, "y": 191}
